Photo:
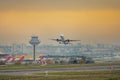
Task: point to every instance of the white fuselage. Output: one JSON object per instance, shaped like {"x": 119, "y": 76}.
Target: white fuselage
{"x": 62, "y": 40}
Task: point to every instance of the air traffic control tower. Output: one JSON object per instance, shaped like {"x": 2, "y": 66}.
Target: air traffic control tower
{"x": 34, "y": 41}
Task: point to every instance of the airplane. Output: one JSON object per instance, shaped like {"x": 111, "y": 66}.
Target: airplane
{"x": 42, "y": 60}
{"x": 10, "y": 59}
{"x": 62, "y": 40}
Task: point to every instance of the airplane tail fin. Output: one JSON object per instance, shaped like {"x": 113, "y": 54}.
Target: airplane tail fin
{"x": 41, "y": 57}
{"x": 22, "y": 58}
{"x": 8, "y": 58}
{"x": 13, "y": 59}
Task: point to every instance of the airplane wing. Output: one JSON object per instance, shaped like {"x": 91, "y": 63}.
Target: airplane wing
{"x": 56, "y": 40}
{"x": 72, "y": 40}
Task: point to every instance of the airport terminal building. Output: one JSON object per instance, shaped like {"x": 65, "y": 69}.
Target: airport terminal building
{"x": 97, "y": 50}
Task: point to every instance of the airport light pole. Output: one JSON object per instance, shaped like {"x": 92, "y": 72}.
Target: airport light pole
{"x": 34, "y": 41}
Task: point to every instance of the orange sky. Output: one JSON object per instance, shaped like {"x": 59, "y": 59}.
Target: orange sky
{"x": 95, "y": 22}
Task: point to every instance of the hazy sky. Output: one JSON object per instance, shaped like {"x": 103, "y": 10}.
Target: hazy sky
{"x": 92, "y": 21}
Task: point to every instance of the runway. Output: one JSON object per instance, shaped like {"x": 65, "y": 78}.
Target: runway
{"x": 29, "y": 72}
